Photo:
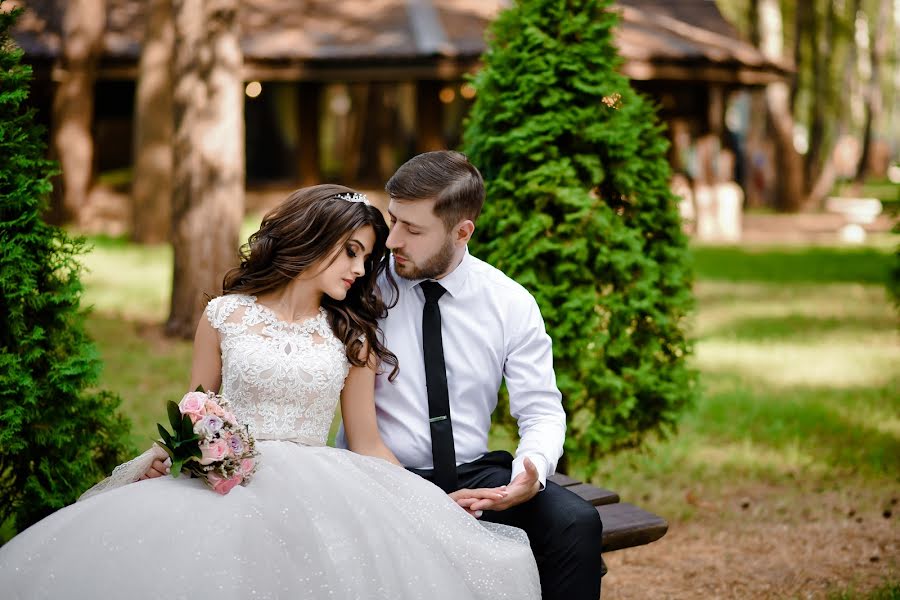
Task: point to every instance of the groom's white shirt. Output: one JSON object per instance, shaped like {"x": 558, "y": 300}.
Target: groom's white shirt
{"x": 491, "y": 329}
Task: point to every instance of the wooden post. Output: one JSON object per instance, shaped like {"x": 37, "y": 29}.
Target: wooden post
{"x": 716, "y": 109}
{"x": 429, "y": 112}
{"x": 308, "y": 105}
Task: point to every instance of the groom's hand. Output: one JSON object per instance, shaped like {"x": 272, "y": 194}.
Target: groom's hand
{"x": 467, "y": 497}
{"x": 521, "y": 489}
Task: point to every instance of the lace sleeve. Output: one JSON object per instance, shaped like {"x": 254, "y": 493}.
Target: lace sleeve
{"x": 224, "y": 316}
{"x": 218, "y": 310}
{"x": 126, "y": 472}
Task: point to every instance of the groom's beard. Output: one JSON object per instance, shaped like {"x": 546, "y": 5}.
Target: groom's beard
{"x": 434, "y": 266}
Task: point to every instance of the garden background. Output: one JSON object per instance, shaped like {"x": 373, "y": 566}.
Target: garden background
{"x": 779, "y": 478}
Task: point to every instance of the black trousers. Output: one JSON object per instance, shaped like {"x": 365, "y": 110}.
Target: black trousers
{"x": 564, "y": 530}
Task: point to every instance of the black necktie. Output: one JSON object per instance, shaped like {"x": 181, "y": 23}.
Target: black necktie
{"x": 442, "y": 450}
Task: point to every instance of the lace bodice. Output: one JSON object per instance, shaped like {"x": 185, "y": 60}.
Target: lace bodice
{"x": 283, "y": 379}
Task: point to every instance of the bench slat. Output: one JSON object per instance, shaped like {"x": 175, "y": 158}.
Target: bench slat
{"x": 625, "y": 525}
{"x": 593, "y": 494}
{"x": 562, "y": 479}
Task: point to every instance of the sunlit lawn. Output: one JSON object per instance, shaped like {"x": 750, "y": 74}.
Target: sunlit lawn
{"x": 800, "y": 369}
{"x": 797, "y": 349}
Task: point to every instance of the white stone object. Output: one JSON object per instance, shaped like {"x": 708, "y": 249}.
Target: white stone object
{"x": 719, "y": 211}
{"x": 856, "y": 212}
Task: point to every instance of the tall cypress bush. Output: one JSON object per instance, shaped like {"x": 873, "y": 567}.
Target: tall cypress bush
{"x": 56, "y": 437}
{"x": 579, "y": 211}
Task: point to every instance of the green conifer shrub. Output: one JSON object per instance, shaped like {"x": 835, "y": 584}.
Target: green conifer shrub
{"x": 56, "y": 437}
{"x": 579, "y": 211}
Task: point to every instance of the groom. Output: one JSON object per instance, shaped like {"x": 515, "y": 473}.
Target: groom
{"x": 460, "y": 327}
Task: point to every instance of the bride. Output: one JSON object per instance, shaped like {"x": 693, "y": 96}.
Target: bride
{"x": 294, "y": 333}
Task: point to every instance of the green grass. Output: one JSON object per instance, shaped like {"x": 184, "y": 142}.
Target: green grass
{"x": 883, "y": 189}
{"x": 144, "y": 368}
{"x": 797, "y": 350}
{"x": 792, "y": 265}
{"x": 888, "y": 591}
{"x": 800, "y": 371}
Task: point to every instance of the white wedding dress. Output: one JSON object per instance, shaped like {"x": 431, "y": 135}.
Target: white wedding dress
{"x": 315, "y": 522}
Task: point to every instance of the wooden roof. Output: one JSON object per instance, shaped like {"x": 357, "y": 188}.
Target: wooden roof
{"x": 407, "y": 39}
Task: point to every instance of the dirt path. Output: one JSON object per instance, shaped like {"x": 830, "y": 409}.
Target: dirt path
{"x": 818, "y": 544}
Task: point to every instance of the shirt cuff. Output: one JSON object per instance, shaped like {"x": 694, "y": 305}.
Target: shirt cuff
{"x": 540, "y": 463}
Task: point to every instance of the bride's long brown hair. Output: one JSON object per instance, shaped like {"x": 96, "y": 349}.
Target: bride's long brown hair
{"x": 307, "y": 227}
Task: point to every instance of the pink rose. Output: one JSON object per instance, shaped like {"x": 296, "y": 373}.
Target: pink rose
{"x": 221, "y": 485}
{"x": 192, "y": 404}
{"x": 213, "y": 407}
{"x": 213, "y": 451}
{"x": 247, "y": 466}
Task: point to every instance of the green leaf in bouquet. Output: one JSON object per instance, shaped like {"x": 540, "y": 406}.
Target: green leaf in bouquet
{"x": 187, "y": 427}
{"x": 175, "y": 469}
{"x": 184, "y": 447}
{"x": 200, "y": 389}
{"x": 164, "y": 434}
{"x": 174, "y": 416}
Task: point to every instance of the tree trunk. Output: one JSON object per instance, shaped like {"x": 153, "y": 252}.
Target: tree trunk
{"x": 828, "y": 123}
{"x": 877, "y": 50}
{"x": 758, "y": 156}
{"x": 820, "y": 47}
{"x": 73, "y": 103}
{"x": 208, "y": 195}
{"x": 151, "y": 189}
{"x": 753, "y": 21}
{"x": 789, "y": 174}
{"x": 804, "y": 24}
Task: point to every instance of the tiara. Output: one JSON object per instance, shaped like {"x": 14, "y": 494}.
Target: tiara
{"x": 353, "y": 197}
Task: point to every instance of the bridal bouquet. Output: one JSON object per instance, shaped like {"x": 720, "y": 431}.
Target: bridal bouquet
{"x": 208, "y": 442}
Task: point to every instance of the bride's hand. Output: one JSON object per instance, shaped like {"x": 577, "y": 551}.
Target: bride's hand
{"x": 160, "y": 465}
{"x": 485, "y": 496}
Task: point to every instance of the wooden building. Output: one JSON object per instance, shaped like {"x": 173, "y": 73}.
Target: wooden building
{"x": 348, "y": 89}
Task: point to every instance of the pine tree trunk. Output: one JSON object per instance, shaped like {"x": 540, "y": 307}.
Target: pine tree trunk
{"x": 789, "y": 174}
{"x": 73, "y": 103}
{"x": 758, "y": 156}
{"x": 208, "y": 196}
{"x": 804, "y": 21}
{"x": 151, "y": 190}
{"x": 877, "y": 50}
{"x": 819, "y": 169}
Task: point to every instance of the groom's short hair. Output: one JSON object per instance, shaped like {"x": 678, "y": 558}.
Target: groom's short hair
{"x": 445, "y": 176}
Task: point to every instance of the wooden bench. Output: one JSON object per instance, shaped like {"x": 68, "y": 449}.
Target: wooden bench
{"x": 624, "y": 525}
